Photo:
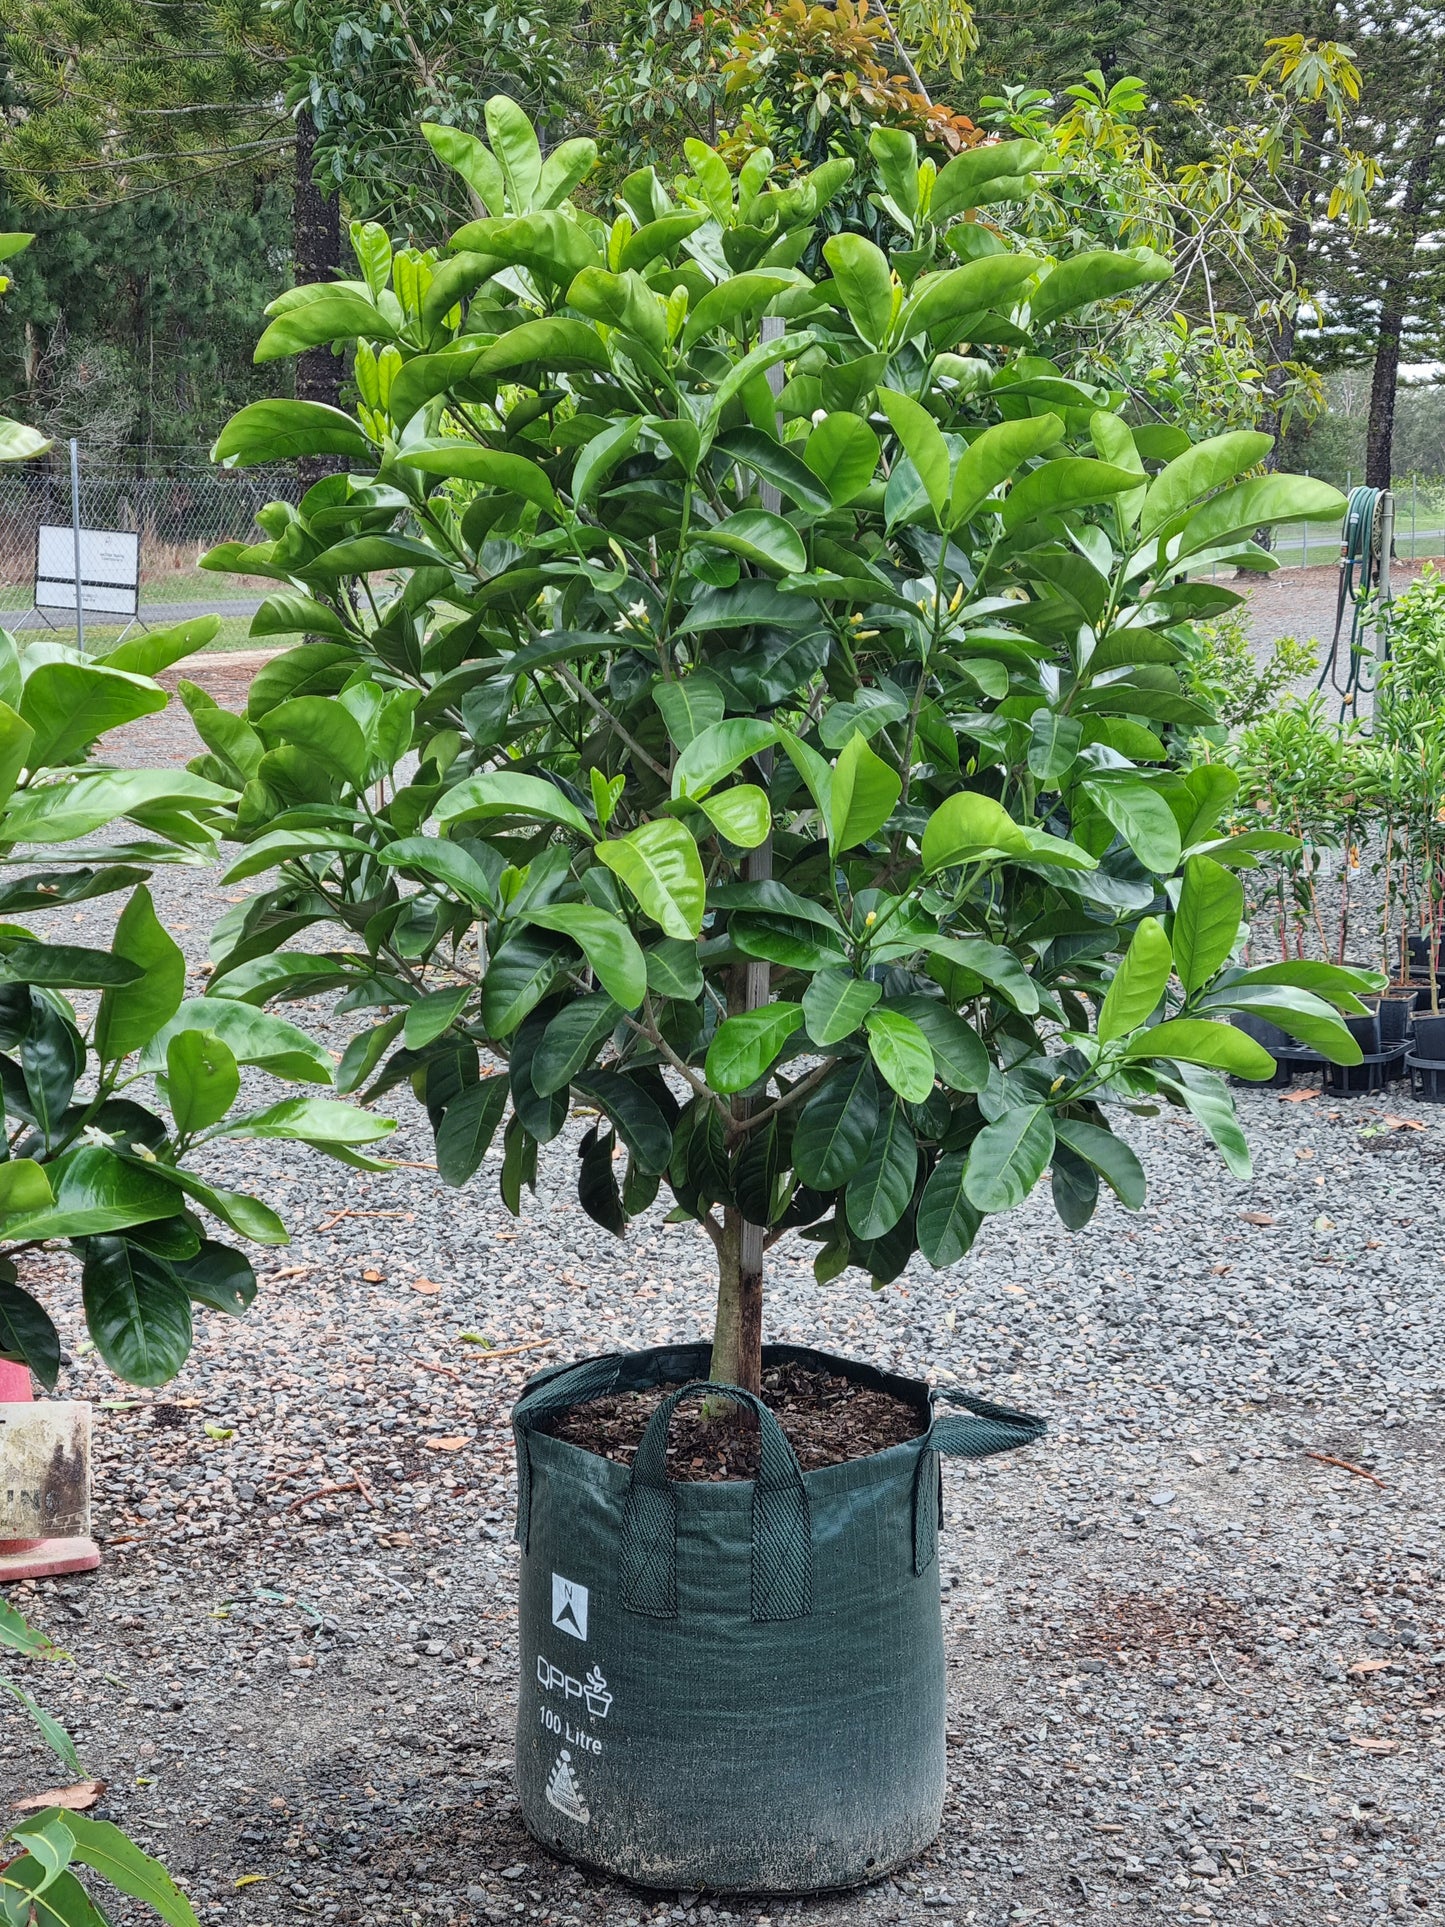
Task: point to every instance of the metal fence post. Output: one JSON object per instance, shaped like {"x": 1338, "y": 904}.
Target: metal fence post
{"x": 75, "y": 526}
{"x": 1414, "y": 507}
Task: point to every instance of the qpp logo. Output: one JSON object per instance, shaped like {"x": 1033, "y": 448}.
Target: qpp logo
{"x": 569, "y": 1606}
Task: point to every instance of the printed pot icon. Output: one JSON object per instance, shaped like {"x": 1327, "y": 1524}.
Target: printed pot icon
{"x": 594, "y": 1691}
{"x": 775, "y": 1648}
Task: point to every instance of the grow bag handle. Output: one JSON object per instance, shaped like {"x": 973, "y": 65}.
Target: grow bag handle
{"x": 782, "y": 1554}
{"x": 979, "y": 1431}
{"x": 554, "y": 1390}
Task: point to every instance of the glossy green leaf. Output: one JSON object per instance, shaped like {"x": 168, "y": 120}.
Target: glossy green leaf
{"x": 1259, "y": 503}
{"x": 902, "y": 1054}
{"x": 836, "y": 1126}
{"x": 605, "y": 941}
{"x": 1054, "y": 744}
{"x": 202, "y": 1080}
{"x": 1007, "y": 1158}
{"x": 518, "y": 977}
{"x": 283, "y": 431}
{"x": 759, "y": 537}
{"x": 923, "y": 444}
{"x": 1302, "y": 1015}
{"x": 239, "y": 1212}
{"x": 1138, "y": 983}
{"x": 508, "y": 796}
{"x": 689, "y": 705}
{"x": 637, "y": 1116}
{"x": 863, "y": 278}
{"x": 1194, "y": 1040}
{"x": 254, "y": 1037}
{"x": 1141, "y": 816}
{"x": 842, "y": 452}
{"x": 69, "y": 704}
{"x": 882, "y": 1188}
{"x": 673, "y": 969}
{"x": 445, "y": 862}
{"x": 1206, "y": 924}
{"x": 660, "y": 865}
{"x": 95, "y": 1191}
{"x": 138, "y": 1315}
{"x": 742, "y": 814}
{"x": 64, "y": 966}
{"x": 959, "y": 1056}
{"x": 1198, "y": 471}
{"x": 998, "y": 453}
{"x": 1101, "y": 275}
{"x": 1059, "y": 486}
{"x": 27, "y": 1335}
{"x": 312, "y": 1120}
{"x": 434, "y": 1014}
{"x": 132, "y": 1013}
{"x": 947, "y": 1222}
{"x": 337, "y": 314}
{"x": 994, "y": 964}
{"x": 1206, "y": 1097}
{"x": 468, "y": 1127}
{"x": 733, "y": 305}
{"x": 969, "y": 827}
{"x": 492, "y": 468}
{"x": 744, "y": 1047}
{"x": 967, "y": 175}
{"x": 835, "y": 1003}
{"x": 217, "y": 1277}
{"x": 865, "y": 791}
{"x": 1109, "y": 1155}
{"x": 572, "y": 1040}
{"x": 324, "y": 729}
{"x": 62, "y": 812}
{"x": 715, "y": 752}
{"x": 118, "y": 1860}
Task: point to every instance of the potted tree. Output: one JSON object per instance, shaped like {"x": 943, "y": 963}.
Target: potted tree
{"x": 783, "y": 656}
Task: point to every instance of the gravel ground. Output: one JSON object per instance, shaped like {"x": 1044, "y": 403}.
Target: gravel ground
{"x": 1195, "y": 1668}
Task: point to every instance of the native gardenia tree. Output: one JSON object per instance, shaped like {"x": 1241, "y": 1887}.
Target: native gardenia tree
{"x": 731, "y": 702}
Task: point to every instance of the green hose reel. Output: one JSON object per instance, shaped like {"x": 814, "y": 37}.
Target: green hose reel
{"x": 1365, "y": 592}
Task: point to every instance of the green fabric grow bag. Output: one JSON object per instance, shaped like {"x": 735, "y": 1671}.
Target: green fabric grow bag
{"x": 734, "y": 1686}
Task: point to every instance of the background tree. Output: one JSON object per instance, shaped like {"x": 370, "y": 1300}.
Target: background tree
{"x": 1383, "y": 295}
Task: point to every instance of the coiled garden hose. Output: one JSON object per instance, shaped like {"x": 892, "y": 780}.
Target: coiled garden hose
{"x": 1360, "y": 571}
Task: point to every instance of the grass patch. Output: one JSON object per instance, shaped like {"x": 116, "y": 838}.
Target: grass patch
{"x": 233, "y": 634}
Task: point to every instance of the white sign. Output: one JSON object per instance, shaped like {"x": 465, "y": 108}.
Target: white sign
{"x": 109, "y": 570}
{"x": 569, "y": 1606}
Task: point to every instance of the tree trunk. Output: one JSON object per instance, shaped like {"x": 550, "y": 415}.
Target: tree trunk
{"x": 737, "y": 1344}
{"x": 1380, "y": 435}
{"x": 316, "y": 256}
{"x": 1396, "y": 282}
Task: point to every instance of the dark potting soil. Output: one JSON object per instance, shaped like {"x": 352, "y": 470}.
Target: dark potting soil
{"x": 828, "y": 1419}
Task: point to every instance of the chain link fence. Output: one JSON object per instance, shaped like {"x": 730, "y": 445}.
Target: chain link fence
{"x": 176, "y": 516}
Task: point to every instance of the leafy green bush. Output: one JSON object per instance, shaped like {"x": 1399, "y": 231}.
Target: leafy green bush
{"x": 40, "y": 1855}
{"x": 1224, "y": 673}
{"x": 84, "y": 1159}
{"x": 784, "y": 661}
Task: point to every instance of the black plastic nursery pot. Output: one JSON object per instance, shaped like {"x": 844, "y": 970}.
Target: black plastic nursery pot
{"x": 1427, "y": 1080}
{"x": 1430, "y": 1038}
{"x": 1394, "y": 1012}
{"x": 734, "y": 1687}
{"x": 1280, "y": 1045}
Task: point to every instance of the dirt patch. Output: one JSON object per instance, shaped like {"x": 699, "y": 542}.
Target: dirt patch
{"x": 828, "y": 1420}
{"x": 1142, "y": 1627}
